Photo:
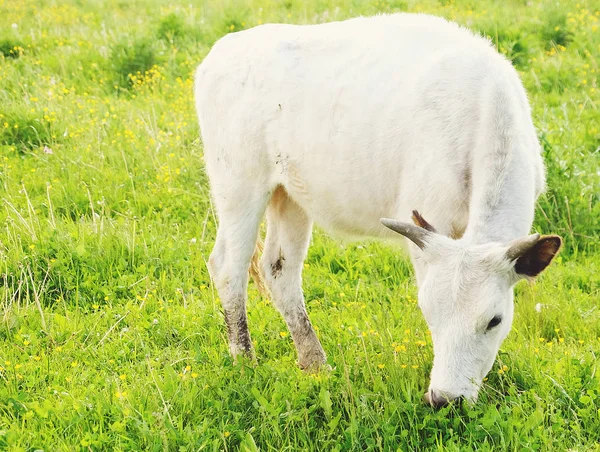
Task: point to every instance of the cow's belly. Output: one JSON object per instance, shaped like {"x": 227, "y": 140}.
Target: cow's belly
{"x": 345, "y": 203}
{"x": 352, "y": 202}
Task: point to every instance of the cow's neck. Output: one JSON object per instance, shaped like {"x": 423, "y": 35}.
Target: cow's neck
{"x": 503, "y": 199}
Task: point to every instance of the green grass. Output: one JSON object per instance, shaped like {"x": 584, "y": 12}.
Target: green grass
{"x": 111, "y": 335}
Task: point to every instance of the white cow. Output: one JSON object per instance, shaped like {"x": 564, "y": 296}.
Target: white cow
{"x": 351, "y": 122}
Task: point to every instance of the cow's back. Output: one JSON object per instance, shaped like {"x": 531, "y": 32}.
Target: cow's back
{"x": 358, "y": 120}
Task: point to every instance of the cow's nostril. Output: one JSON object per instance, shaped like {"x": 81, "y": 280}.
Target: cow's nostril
{"x": 436, "y": 400}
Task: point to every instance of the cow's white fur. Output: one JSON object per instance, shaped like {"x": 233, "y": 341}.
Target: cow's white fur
{"x": 345, "y": 123}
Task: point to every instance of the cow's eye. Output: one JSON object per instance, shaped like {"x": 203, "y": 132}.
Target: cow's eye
{"x": 494, "y": 322}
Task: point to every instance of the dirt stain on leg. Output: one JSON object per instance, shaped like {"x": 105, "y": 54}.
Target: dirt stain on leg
{"x": 237, "y": 331}
{"x": 277, "y": 266}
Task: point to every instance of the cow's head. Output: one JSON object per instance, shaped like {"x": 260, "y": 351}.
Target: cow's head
{"x": 466, "y": 296}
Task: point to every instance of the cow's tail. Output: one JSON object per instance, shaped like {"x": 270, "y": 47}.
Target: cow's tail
{"x": 255, "y": 271}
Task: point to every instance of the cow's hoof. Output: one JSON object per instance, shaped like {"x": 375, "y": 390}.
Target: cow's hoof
{"x": 243, "y": 355}
{"x": 316, "y": 368}
{"x": 314, "y": 363}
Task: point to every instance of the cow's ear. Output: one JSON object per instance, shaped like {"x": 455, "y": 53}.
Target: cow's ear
{"x": 421, "y": 222}
{"x": 532, "y": 254}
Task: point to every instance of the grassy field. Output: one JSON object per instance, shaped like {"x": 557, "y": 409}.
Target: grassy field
{"x": 111, "y": 335}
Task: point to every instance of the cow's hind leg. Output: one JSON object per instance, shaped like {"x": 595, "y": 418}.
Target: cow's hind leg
{"x": 240, "y": 212}
{"x": 288, "y": 236}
